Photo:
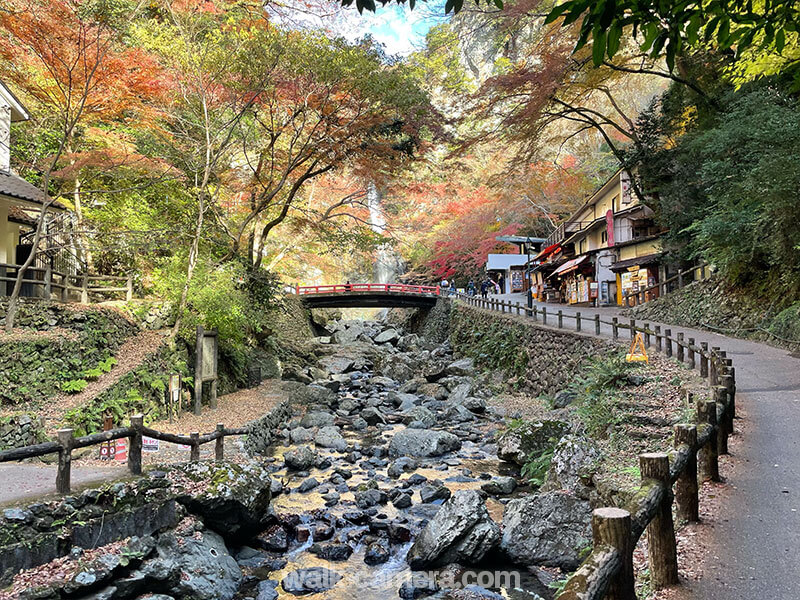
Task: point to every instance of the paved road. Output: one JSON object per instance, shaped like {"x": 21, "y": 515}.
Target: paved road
{"x": 22, "y": 481}
{"x": 755, "y": 545}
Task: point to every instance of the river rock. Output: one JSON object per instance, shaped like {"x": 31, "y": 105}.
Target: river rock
{"x": 461, "y": 532}
{"x": 310, "y": 581}
{"x": 336, "y": 364}
{"x": 333, "y": 552}
{"x": 473, "y": 404}
{"x": 404, "y": 464}
{"x": 329, "y": 437}
{"x": 300, "y": 459}
{"x": 317, "y": 419}
{"x": 529, "y": 440}
{"x": 372, "y": 416}
{"x": 421, "y": 415}
{"x": 419, "y": 586}
{"x": 574, "y": 460}
{"x": 463, "y": 366}
{"x": 233, "y": 500}
{"x": 194, "y": 566}
{"x": 547, "y": 529}
{"x": 432, "y": 493}
{"x": 402, "y": 399}
{"x": 266, "y": 590}
{"x": 460, "y": 393}
{"x": 500, "y": 486}
{"x": 390, "y": 335}
{"x": 301, "y": 435}
{"x": 377, "y": 553}
{"x": 422, "y": 443}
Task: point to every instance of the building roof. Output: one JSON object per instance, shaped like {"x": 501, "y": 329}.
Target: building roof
{"x": 571, "y": 265}
{"x": 501, "y": 262}
{"x": 16, "y": 187}
{"x": 520, "y": 239}
{"x": 18, "y": 111}
{"x": 17, "y": 215}
{"x": 640, "y": 261}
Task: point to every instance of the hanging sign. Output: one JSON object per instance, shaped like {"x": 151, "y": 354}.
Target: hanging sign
{"x": 149, "y": 444}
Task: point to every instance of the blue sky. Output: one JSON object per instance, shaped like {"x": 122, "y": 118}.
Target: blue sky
{"x": 398, "y": 28}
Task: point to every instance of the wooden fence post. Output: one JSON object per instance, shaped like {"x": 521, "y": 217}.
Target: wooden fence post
{"x": 668, "y": 341}
{"x": 85, "y": 289}
{"x": 544, "y": 315}
{"x": 135, "y": 450}
{"x": 679, "y": 347}
{"x": 614, "y": 328}
{"x": 194, "y": 452}
{"x": 535, "y": 314}
{"x": 518, "y": 307}
{"x": 647, "y": 335}
{"x": 64, "y": 461}
{"x": 129, "y": 288}
{"x": 704, "y": 360}
{"x": 198, "y": 371}
{"x": 633, "y": 328}
{"x": 712, "y": 370}
{"x": 560, "y": 319}
{"x": 612, "y": 527}
{"x": 720, "y": 395}
{"x": 729, "y": 381}
{"x": 686, "y": 488}
{"x": 597, "y": 324}
{"x": 708, "y": 459}
{"x": 658, "y": 338}
{"x": 578, "y": 321}
{"x": 692, "y": 363}
{"x": 661, "y": 546}
{"x": 219, "y": 447}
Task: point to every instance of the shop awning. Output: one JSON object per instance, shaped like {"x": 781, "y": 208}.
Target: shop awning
{"x": 552, "y": 249}
{"x": 640, "y": 261}
{"x": 570, "y": 265}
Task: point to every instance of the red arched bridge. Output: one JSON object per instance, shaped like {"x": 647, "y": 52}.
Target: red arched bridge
{"x": 369, "y": 295}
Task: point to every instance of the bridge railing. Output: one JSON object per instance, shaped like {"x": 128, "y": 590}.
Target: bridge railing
{"x": 346, "y": 288}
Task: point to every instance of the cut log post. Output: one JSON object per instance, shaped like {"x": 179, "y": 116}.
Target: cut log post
{"x": 668, "y": 341}
{"x": 219, "y": 447}
{"x": 713, "y": 373}
{"x": 661, "y": 547}
{"x": 64, "y": 460}
{"x": 708, "y": 460}
{"x": 633, "y": 328}
{"x": 692, "y": 363}
{"x": 686, "y": 488}
{"x": 48, "y": 281}
{"x": 129, "y": 288}
{"x": 578, "y": 321}
{"x": 560, "y": 319}
{"x": 658, "y": 338}
{"x": 597, "y": 324}
{"x": 614, "y": 328}
{"x": 85, "y": 289}
{"x": 544, "y": 315}
{"x": 194, "y": 452}
{"x": 612, "y": 527}
{"x": 647, "y": 335}
{"x": 729, "y": 381}
{"x": 720, "y": 395}
{"x": 679, "y": 347}
{"x": 135, "y": 450}
{"x": 704, "y": 360}
{"x": 518, "y": 308}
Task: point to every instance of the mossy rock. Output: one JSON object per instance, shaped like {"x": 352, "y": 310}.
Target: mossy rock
{"x": 527, "y": 440}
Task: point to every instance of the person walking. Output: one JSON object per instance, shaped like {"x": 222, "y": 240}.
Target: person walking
{"x": 484, "y": 289}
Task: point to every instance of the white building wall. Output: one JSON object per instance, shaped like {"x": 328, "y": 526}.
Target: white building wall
{"x": 5, "y": 136}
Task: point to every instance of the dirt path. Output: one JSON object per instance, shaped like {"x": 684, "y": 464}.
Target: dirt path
{"x": 753, "y": 545}
{"x": 129, "y": 356}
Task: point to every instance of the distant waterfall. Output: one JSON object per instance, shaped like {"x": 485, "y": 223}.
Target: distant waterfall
{"x": 388, "y": 264}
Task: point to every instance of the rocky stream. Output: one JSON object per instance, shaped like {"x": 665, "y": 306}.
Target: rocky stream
{"x": 387, "y": 477}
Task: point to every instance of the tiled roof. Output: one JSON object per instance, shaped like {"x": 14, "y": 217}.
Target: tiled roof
{"x": 16, "y": 187}
{"x": 16, "y": 214}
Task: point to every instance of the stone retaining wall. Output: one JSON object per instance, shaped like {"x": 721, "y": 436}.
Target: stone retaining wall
{"x": 17, "y": 431}
{"x": 538, "y": 359}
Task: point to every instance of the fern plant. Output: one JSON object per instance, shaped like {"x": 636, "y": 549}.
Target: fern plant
{"x": 73, "y": 386}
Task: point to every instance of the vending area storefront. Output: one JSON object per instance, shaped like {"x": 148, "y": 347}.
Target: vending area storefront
{"x": 577, "y": 281}
{"x": 635, "y": 275}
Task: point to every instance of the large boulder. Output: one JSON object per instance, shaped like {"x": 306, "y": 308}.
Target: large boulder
{"x": 195, "y": 564}
{"x": 422, "y": 443}
{"x": 529, "y": 439}
{"x": 300, "y": 459}
{"x": 310, "y": 581}
{"x": 336, "y": 364}
{"x": 317, "y": 418}
{"x": 390, "y": 335}
{"x": 350, "y": 334}
{"x": 462, "y": 531}
{"x": 421, "y": 415}
{"x": 549, "y": 529}
{"x": 232, "y": 499}
{"x": 461, "y": 367}
{"x": 329, "y": 437}
{"x": 574, "y": 460}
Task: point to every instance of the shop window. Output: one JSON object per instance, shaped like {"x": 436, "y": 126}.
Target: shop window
{"x": 604, "y": 237}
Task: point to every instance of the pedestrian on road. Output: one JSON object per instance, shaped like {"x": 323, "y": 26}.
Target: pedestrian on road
{"x": 348, "y": 287}
{"x": 471, "y": 288}
{"x": 484, "y": 289}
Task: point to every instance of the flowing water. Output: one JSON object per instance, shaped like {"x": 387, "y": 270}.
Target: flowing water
{"x": 388, "y": 264}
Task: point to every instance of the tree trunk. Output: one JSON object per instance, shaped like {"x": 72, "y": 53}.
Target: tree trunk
{"x": 193, "y": 252}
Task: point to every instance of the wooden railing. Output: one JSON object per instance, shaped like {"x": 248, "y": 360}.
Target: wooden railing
{"x": 676, "y": 282}
{"x": 66, "y": 443}
{"x": 347, "y": 288}
{"x": 607, "y": 574}
{"x": 49, "y": 284}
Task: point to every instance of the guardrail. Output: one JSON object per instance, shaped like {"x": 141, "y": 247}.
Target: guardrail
{"x": 52, "y": 284}
{"x": 346, "y": 288}
{"x": 672, "y": 284}
{"x": 607, "y": 574}
{"x": 66, "y": 443}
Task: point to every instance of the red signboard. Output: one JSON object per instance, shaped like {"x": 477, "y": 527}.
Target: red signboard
{"x": 610, "y": 227}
